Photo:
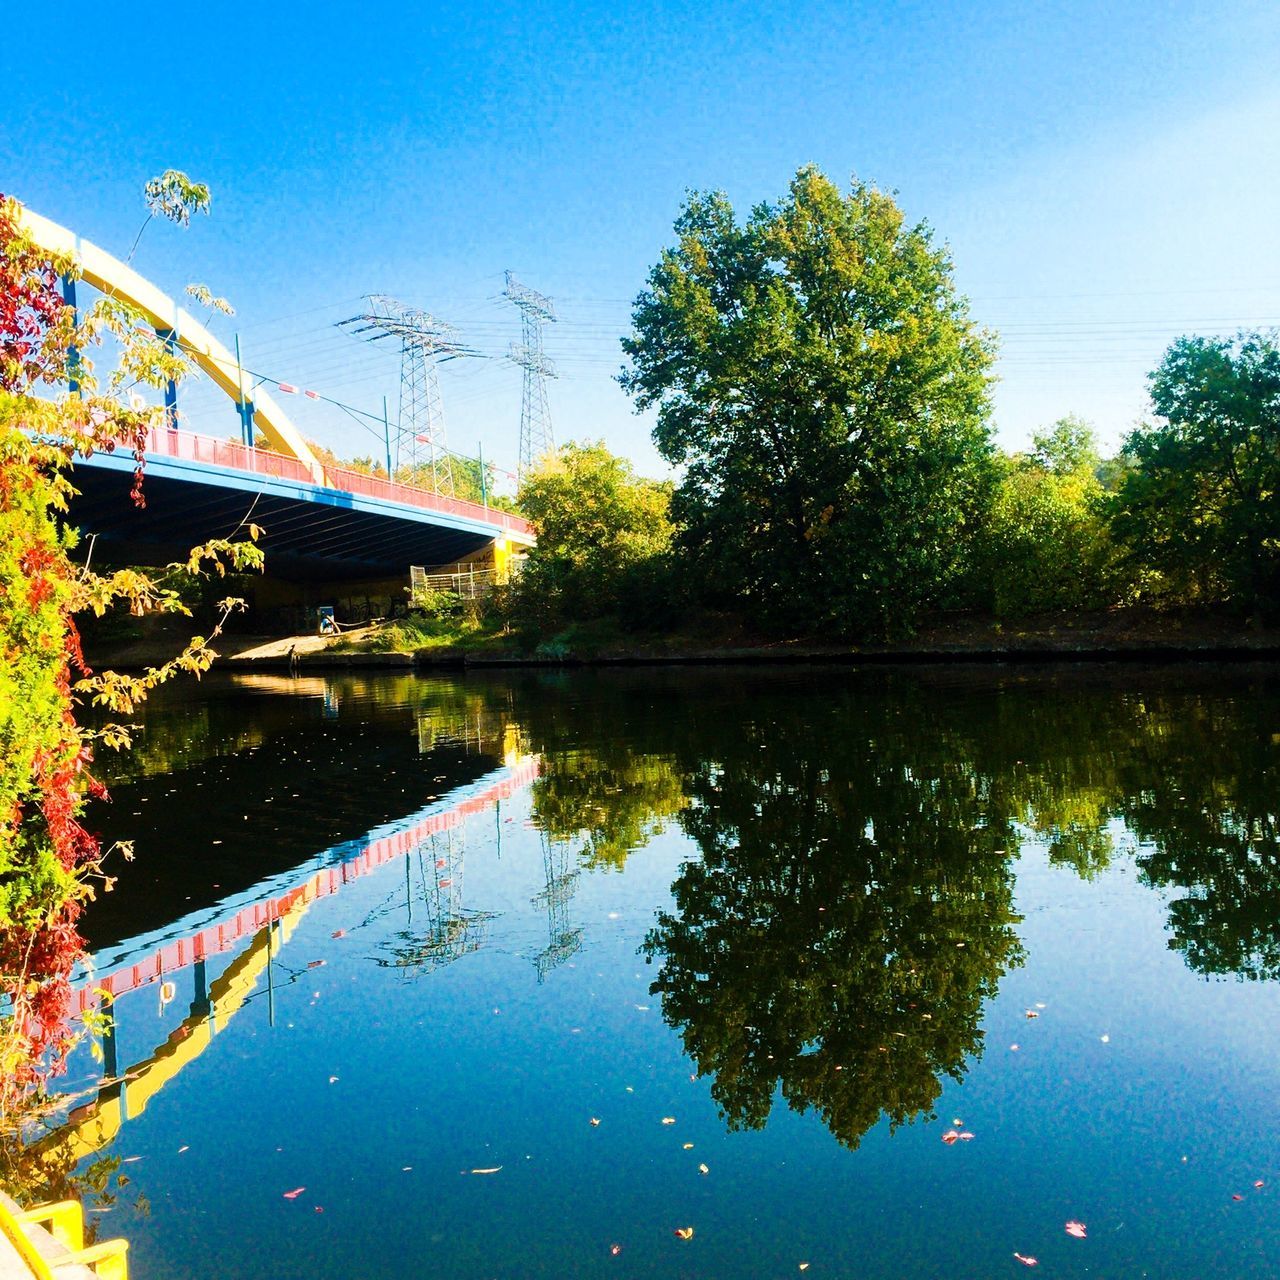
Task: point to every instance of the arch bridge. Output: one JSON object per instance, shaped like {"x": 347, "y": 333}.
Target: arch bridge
{"x": 321, "y": 524}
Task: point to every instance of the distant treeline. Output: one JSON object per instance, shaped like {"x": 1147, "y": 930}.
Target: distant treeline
{"x": 825, "y": 396}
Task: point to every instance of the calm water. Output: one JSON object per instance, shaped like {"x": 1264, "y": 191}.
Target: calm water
{"x": 493, "y": 974}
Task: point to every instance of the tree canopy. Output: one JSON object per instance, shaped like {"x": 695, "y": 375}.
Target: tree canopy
{"x": 599, "y": 527}
{"x": 1200, "y": 504}
{"x": 818, "y": 378}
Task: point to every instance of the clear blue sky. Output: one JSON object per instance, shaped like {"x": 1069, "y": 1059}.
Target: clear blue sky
{"x": 1106, "y": 174}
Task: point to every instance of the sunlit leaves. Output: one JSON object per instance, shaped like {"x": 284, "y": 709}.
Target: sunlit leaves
{"x": 174, "y": 196}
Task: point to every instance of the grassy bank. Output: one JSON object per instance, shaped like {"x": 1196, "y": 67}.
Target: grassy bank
{"x": 428, "y": 642}
{"x": 1119, "y": 631}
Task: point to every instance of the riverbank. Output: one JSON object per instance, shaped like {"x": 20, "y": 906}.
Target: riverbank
{"x": 1116, "y": 635}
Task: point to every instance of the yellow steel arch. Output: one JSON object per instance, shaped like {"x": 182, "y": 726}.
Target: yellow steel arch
{"x": 118, "y": 280}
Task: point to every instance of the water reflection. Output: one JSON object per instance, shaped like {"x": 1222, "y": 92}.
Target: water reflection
{"x": 850, "y": 915}
{"x": 850, "y": 911}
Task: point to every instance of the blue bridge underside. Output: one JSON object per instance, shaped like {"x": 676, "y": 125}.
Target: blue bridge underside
{"x": 310, "y": 534}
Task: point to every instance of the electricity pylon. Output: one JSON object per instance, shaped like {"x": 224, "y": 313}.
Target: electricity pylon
{"x": 535, "y": 411}
{"x": 419, "y": 442}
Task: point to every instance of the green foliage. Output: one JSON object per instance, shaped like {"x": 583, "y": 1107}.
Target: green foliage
{"x": 206, "y": 298}
{"x": 174, "y": 196}
{"x": 604, "y": 535}
{"x": 1047, "y": 540}
{"x": 48, "y": 860}
{"x": 817, "y": 376}
{"x": 1199, "y": 510}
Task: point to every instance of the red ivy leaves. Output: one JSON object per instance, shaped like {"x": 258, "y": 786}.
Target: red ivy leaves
{"x": 33, "y": 334}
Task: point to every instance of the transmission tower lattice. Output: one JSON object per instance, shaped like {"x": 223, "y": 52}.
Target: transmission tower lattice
{"x": 535, "y": 411}
{"x": 419, "y": 444}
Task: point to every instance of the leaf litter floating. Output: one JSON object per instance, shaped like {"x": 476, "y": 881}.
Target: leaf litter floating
{"x": 668, "y": 1119}
{"x": 1027, "y": 1260}
{"x": 497, "y": 1168}
{"x": 294, "y": 1194}
{"x": 615, "y": 1249}
{"x": 685, "y": 1233}
{"x": 1077, "y": 1229}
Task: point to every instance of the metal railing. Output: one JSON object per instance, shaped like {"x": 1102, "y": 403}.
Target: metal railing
{"x": 190, "y": 447}
{"x": 469, "y": 583}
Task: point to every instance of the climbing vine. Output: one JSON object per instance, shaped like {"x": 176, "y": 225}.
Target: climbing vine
{"x": 54, "y": 409}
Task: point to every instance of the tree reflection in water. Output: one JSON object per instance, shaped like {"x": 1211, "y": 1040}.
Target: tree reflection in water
{"x": 849, "y": 917}
{"x": 851, "y": 911}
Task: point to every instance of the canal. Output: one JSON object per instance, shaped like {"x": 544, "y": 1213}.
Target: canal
{"x": 720, "y": 973}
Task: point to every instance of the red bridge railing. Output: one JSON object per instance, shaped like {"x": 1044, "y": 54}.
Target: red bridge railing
{"x": 189, "y": 447}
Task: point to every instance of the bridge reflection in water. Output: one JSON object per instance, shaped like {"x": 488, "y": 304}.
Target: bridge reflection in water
{"x": 261, "y": 922}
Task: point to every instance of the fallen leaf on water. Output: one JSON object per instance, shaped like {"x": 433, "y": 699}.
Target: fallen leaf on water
{"x": 319, "y": 1209}
{"x": 182, "y": 1149}
{"x": 446, "y": 884}
{"x": 1039, "y": 1004}
{"x": 1237, "y": 1197}
{"x": 594, "y": 1122}
{"x": 804, "y": 1266}
{"x": 1031, "y": 1013}
{"x": 338, "y": 933}
{"x": 1013, "y": 1048}
{"x": 966, "y": 1136}
{"x": 615, "y": 1249}
{"x": 688, "y": 1146}
{"x": 1026, "y": 1260}
{"x": 668, "y": 1119}
{"x": 442, "y": 862}
{"x": 294, "y": 1194}
{"x": 950, "y": 1136}
{"x": 685, "y": 1233}
{"x": 333, "y": 1079}
{"x": 408, "y": 1168}
{"x": 1105, "y": 1039}
{"x": 1257, "y": 1184}
{"x": 496, "y": 1169}
{"x": 315, "y": 964}
{"x": 1076, "y": 1229}
{"x": 702, "y": 1168}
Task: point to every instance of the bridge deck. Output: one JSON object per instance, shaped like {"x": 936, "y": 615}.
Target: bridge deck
{"x": 198, "y": 487}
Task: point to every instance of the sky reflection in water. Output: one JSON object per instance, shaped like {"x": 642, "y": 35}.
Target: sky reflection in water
{"x": 806, "y": 916}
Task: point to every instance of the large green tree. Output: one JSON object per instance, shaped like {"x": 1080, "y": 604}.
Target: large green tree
{"x": 1201, "y": 506}
{"x": 818, "y": 378}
